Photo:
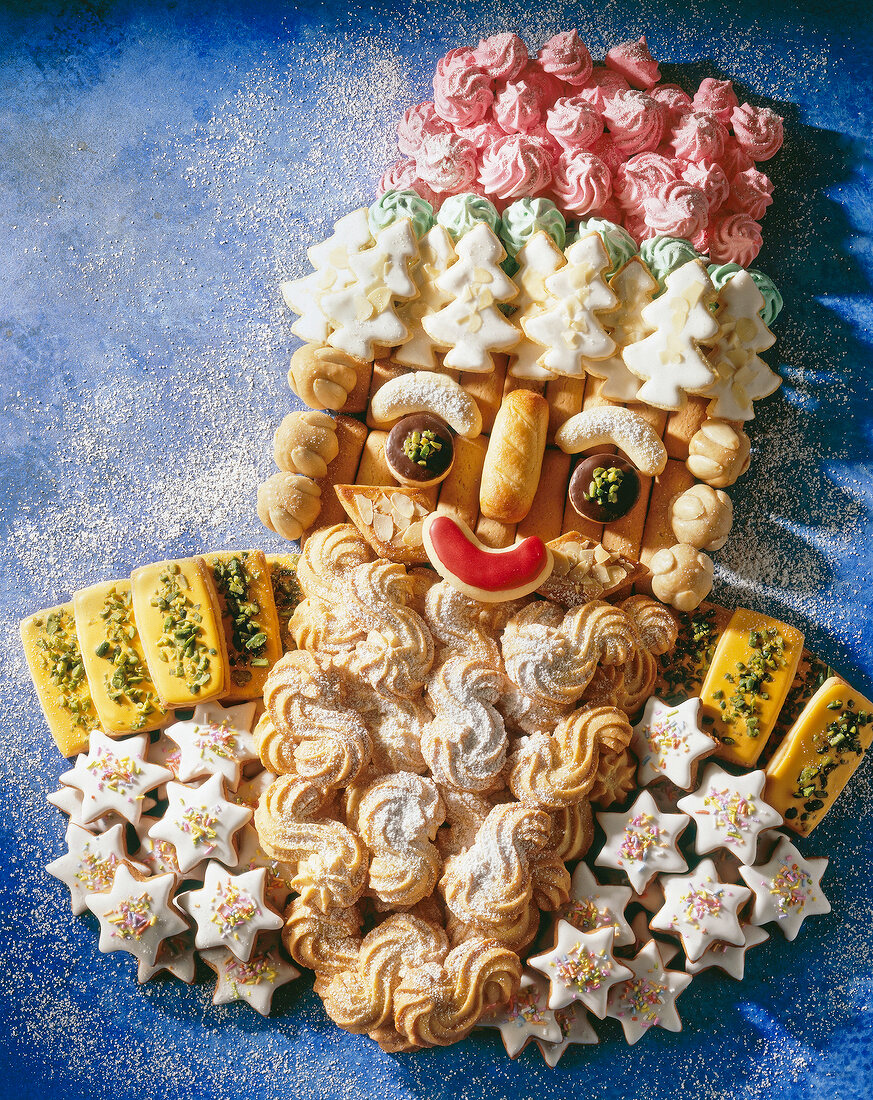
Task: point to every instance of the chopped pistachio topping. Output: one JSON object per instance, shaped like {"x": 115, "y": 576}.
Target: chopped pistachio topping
{"x": 181, "y": 644}
{"x": 248, "y": 642}
{"x": 59, "y": 654}
{"x": 128, "y": 681}
{"x": 605, "y": 485}
{"x": 683, "y": 668}
{"x": 423, "y": 448}
{"x": 749, "y": 681}
{"x": 287, "y": 594}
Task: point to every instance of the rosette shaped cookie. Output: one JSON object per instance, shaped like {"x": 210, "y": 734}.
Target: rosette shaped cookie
{"x": 572, "y": 830}
{"x": 456, "y": 625}
{"x": 615, "y": 779}
{"x": 323, "y": 628}
{"x": 398, "y": 817}
{"x": 328, "y": 556}
{"x": 325, "y": 943}
{"x": 465, "y": 814}
{"x": 551, "y": 772}
{"x": 656, "y": 625}
{"x": 328, "y": 861}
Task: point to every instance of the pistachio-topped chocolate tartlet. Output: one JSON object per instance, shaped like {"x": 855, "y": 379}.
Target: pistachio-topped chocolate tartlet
{"x": 604, "y": 487}
{"x": 419, "y": 450}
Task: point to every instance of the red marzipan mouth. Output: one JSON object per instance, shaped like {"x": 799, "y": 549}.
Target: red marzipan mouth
{"x": 491, "y": 570}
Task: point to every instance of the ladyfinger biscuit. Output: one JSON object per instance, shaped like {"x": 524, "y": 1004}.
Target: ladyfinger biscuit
{"x": 383, "y": 371}
{"x": 373, "y": 469}
{"x": 249, "y": 619}
{"x": 625, "y": 534}
{"x": 351, "y": 436}
{"x": 459, "y": 493}
{"x": 546, "y": 514}
{"x": 286, "y": 592}
{"x": 122, "y": 690}
{"x": 51, "y": 646}
{"x": 493, "y": 533}
{"x": 487, "y": 391}
{"x": 514, "y": 457}
{"x": 682, "y": 425}
{"x": 751, "y": 672}
{"x": 819, "y": 755}
{"x": 657, "y": 532}
{"x": 178, "y": 617}
{"x": 565, "y": 397}
{"x": 511, "y": 384}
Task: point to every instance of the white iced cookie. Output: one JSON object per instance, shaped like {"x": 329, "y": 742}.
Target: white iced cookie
{"x": 176, "y": 956}
{"x": 701, "y": 909}
{"x": 89, "y": 864}
{"x": 648, "y": 999}
{"x": 575, "y": 1029}
{"x": 581, "y": 967}
{"x": 251, "y": 856}
{"x": 742, "y": 377}
{"x": 642, "y": 841}
{"x": 634, "y": 286}
{"x": 525, "y": 1017}
{"x": 718, "y": 453}
{"x": 159, "y": 856}
{"x": 229, "y": 910}
{"x": 702, "y": 517}
{"x": 254, "y": 981}
{"x": 538, "y": 258}
{"x": 200, "y": 823}
{"x": 668, "y": 741}
{"x": 69, "y": 801}
{"x": 288, "y": 504}
{"x": 436, "y": 256}
{"x": 609, "y": 424}
{"x": 729, "y": 812}
{"x": 137, "y": 915}
{"x": 592, "y": 906}
{"x": 787, "y": 889}
{"x": 114, "y": 776}
{"x": 730, "y": 959}
{"x": 568, "y": 326}
{"x": 681, "y": 576}
{"x": 363, "y": 314}
{"x": 215, "y": 741}
{"x": 670, "y": 361}
{"x": 426, "y": 392}
{"x": 471, "y": 326}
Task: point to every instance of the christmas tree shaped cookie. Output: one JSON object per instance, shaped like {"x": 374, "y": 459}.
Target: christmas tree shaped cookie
{"x": 670, "y": 361}
{"x": 436, "y": 255}
{"x": 634, "y": 287}
{"x": 538, "y": 259}
{"x": 568, "y": 327}
{"x": 471, "y": 326}
{"x": 741, "y": 376}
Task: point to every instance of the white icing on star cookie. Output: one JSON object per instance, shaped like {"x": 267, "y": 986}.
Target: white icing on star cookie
{"x": 668, "y": 741}
{"x": 648, "y": 999}
{"x": 525, "y": 1017}
{"x": 643, "y": 934}
{"x": 581, "y": 967}
{"x": 593, "y": 906}
{"x": 277, "y": 887}
{"x": 114, "y": 777}
{"x": 787, "y": 889}
{"x": 69, "y": 801}
{"x": 137, "y": 915}
{"x": 575, "y": 1029}
{"x": 732, "y": 960}
{"x": 176, "y": 955}
{"x": 90, "y": 862}
{"x": 249, "y": 792}
{"x": 700, "y": 909}
{"x": 253, "y": 981}
{"x": 215, "y": 741}
{"x": 641, "y": 841}
{"x": 729, "y": 812}
{"x": 200, "y": 823}
{"x": 230, "y": 910}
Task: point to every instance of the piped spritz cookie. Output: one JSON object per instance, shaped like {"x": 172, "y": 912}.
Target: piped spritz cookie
{"x": 114, "y": 777}
{"x": 701, "y": 910}
{"x": 581, "y": 967}
{"x": 137, "y": 915}
{"x": 787, "y": 889}
{"x": 668, "y": 741}
{"x": 230, "y": 910}
{"x": 200, "y": 823}
{"x": 729, "y": 812}
{"x": 648, "y": 999}
{"x": 642, "y": 841}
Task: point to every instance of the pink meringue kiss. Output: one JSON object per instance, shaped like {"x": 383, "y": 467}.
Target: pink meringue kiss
{"x": 518, "y": 107}
{"x": 573, "y": 123}
{"x": 716, "y": 96}
{"x": 711, "y": 180}
{"x": 566, "y": 56}
{"x": 416, "y": 122}
{"x": 447, "y": 163}
{"x": 638, "y": 177}
{"x": 515, "y": 166}
{"x": 609, "y": 153}
{"x": 581, "y": 183}
{"x": 403, "y": 176}
{"x": 734, "y": 239}
{"x": 481, "y": 135}
{"x": 733, "y": 159}
{"x": 635, "y": 63}
{"x": 758, "y": 131}
{"x": 635, "y": 122}
{"x": 636, "y": 225}
{"x": 676, "y": 209}
{"x": 601, "y": 86}
{"x": 751, "y": 192}
{"x": 674, "y": 102}
{"x": 502, "y": 56}
{"x": 462, "y": 93}
{"x": 699, "y": 136}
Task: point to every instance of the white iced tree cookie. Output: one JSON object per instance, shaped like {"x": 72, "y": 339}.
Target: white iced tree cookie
{"x": 741, "y": 375}
{"x": 471, "y": 326}
{"x": 634, "y": 286}
{"x": 436, "y": 256}
{"x": 363, "y": 313}
{"x": 538, "y": 259}
{"x": 568, "y": 327}
{"x": 330, "y": 259}
{"x": 670, "y": 360}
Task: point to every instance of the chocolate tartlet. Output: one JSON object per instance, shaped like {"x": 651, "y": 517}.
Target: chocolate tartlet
{"x": 604, "y": 487}
{"x": 419, "y": 450}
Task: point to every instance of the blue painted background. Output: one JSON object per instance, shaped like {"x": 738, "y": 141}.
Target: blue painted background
{"x": 162, "y": 166}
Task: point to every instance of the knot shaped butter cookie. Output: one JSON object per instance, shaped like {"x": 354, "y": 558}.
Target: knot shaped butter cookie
{"x": 288, "y": 504}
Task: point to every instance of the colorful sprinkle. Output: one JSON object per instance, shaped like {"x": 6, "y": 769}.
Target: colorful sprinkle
{"x": 116, "y": 773}
{"x": 641, "y": 834}
{"x": 96, "y": 872}
{"x": 699, "y": 904}
{"x": 732, "y": 813}
{"x": 638, "y": 1000}
{"x": 254, "y": 972}
{"x": 133, "y": 917}
{"x": 587, "y": 917}
{"x": 215, "y": 740}
{"x": 583, "y": 969}
{"x": 666, "y": 735}
{"x": 793, "y": 888}
{"x": 233, "y": 907}
{"x": 524, "y": 1008}
{"x": 200, "y": 823}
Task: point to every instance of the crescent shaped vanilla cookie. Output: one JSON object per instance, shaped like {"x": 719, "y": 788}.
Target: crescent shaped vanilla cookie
{"x": 426, "y": 392}
{"x": 624, "y": 428}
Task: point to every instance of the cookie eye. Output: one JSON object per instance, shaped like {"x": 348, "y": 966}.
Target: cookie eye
{"x": 604, "y": 487}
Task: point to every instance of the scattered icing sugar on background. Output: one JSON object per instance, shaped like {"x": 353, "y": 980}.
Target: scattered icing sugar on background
{"x": 168, "y": 171}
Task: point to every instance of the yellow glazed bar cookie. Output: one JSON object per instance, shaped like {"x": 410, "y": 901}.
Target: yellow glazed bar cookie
{"x": 751, "y": 672}
{"x": 286, "y": 592}
{"x": 682, "y": 670}
{"x": 124, "y": 696}
{"x": 51, "y": 647}
{"x": 179, "y": 621}
{"x": 819, "y": 755}
{"x": 249, "y": 618}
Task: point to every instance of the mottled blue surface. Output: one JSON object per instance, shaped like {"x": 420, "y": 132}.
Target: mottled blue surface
{"x": 162, "y": 167}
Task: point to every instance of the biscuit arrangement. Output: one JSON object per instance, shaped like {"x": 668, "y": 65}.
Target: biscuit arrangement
{"x": 481, "y": 754}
